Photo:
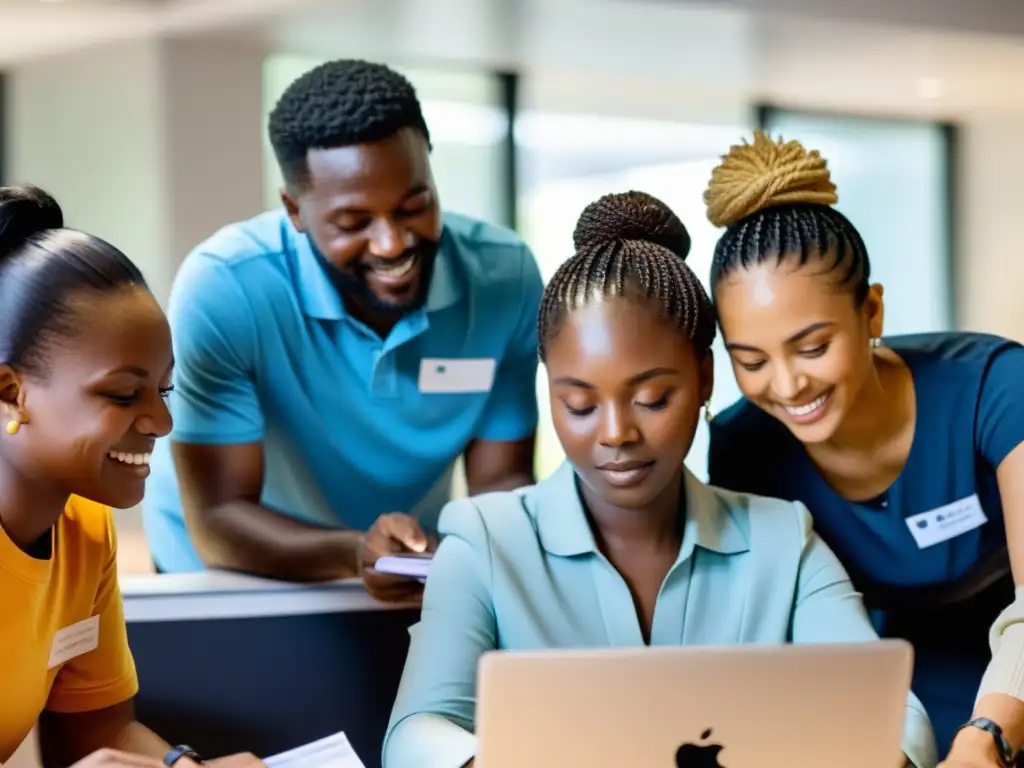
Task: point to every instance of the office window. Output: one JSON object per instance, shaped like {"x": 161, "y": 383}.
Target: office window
{"x": 467, "y": 126}
{"x": 893, "y": 180}
{"x": 569, "y": 160}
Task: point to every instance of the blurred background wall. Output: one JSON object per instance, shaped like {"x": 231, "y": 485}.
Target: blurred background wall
{"x": 146, "y": 119}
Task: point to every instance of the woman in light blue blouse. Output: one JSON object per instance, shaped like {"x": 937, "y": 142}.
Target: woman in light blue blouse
{"x": 621, "y": 546}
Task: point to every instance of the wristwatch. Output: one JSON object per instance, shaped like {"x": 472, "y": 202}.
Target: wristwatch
{"x": 180, "y": 751}
{"x": 1007, "y": 754}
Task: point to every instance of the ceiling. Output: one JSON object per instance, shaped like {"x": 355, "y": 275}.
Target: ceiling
{"x": 910, "y": 57}
{"x": 681, "y": 50}
{"x": 32, "y": 28}
{"x": 987, "y": 16}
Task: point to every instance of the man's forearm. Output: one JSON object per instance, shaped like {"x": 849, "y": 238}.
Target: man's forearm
{"x": 241, "y": 536}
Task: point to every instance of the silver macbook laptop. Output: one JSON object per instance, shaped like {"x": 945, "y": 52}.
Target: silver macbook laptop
{"x": 782, "y": 706}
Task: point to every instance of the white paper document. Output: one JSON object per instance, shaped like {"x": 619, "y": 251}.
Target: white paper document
{"x": 415, "y": 566}
{"x": 331, "y": 752}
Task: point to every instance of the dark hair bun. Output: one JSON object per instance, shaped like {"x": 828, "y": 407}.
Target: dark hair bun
{"x": 631, "y": 216}
{"x": 25, "y": 211}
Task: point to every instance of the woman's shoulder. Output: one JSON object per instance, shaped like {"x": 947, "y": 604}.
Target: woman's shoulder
{"x": 545, "y": 517}
{"x": 499, "y": 515}
{"x": 91, "y": 523}
{"x": 745, "y": 423}
{"x": 964, "y": 351}
{"x": 758, "y": 512}
{"x": 750, "y": 450}
{"x": 774, "y": 533}
{"x": 738, "y": 416}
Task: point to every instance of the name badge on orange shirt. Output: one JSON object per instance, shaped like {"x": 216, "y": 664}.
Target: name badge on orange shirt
{"x": 74, "y": 640}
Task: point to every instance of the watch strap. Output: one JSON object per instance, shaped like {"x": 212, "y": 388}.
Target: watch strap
{"x": 1007, "y": 754}
{"x": 182, "y": 750}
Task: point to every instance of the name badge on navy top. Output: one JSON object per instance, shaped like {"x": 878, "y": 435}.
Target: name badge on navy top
{"x": 946, "y": 522}
{"x": 457, "y": 375}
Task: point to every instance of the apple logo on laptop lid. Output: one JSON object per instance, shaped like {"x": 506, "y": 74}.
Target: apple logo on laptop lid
{"x": 703, "y": 755}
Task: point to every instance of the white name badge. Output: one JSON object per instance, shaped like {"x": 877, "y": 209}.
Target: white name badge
{"x": 74, "y": 640}
{"x": 456, "y": 376}
{"x": 948, "y": 522}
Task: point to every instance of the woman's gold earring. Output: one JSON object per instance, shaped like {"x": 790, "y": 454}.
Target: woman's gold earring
{"x": 13, "y": 426}
{"x": 708, "y": 416}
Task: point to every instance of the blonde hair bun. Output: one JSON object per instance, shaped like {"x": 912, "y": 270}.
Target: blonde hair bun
{"x": 765, "y": 174}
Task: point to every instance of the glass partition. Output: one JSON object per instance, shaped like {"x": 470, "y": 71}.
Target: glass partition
{"x": 894, "y": 184}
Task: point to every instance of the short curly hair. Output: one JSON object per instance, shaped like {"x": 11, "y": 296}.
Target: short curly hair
{"x": 337, "y": 104}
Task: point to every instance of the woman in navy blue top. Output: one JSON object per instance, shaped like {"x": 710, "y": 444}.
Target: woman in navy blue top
{"x": 907, "y": 450}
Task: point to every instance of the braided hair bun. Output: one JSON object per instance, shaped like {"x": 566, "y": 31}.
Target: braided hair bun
{"x": 767, "y": 173}
{"x": 629, "y": 240}
{"x": 626, "y": 216}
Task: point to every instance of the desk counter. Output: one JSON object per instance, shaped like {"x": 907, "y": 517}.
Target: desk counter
{"x": 231, "y": 663}
{"x": 226, "y": 595}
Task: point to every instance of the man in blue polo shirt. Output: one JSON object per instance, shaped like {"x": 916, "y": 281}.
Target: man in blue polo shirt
{"x": 335, "y": 358}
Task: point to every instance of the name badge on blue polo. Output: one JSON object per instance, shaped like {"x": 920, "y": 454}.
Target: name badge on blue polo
{"x": 946, "y": 522}
{"x": 457, "y": 375}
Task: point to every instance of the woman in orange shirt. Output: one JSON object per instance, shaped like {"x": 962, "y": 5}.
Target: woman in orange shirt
{"x": 85, "y": 365}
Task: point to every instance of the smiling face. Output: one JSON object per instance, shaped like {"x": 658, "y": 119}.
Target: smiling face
{"x": 799, "y": 344}
{"x": 90, "y": 422}
{"x": 626, "y": 392}
{"x": 372, "y": 213}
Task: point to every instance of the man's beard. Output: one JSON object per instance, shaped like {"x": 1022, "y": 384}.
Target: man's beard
{"x": 352, "y": 283}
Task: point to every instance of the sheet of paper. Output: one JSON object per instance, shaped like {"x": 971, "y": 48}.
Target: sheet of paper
{"x": 331, "y": 752}
{"x": 413, "y": 566}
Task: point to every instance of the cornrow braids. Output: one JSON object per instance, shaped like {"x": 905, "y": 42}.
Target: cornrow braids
{"x": 803, "y": 232}
{"x": 629, "y": 244}
{"x": 775, "y": 200}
